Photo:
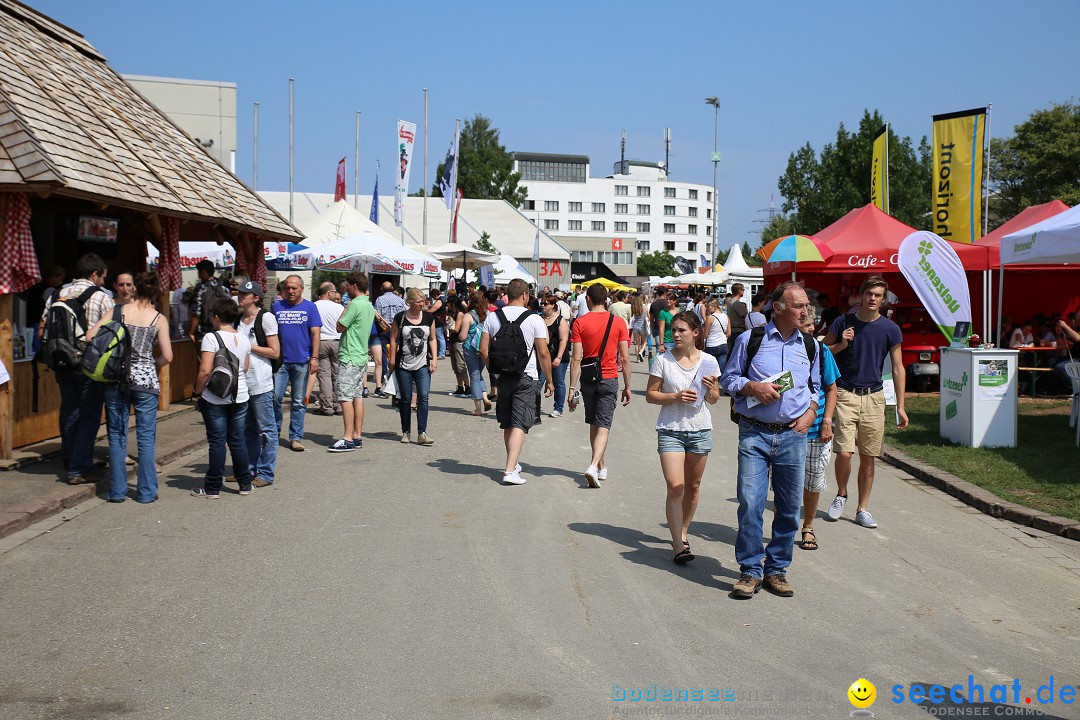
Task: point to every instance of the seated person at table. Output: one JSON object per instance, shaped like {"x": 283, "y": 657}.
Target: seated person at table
{"x": 1022, "y": 337}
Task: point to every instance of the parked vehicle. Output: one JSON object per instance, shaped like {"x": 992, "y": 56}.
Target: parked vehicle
{"x": 920, "y": 349}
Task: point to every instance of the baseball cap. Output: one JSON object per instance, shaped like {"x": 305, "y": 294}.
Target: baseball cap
{"x": 251, "y": 287}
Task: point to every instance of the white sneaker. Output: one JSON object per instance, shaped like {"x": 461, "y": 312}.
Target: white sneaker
{"x": 513, "y": 478}
{"x": 602, "y": 474}
{"x": 837, "y": 507}
{"x": 864, "y": 518}
{"x": 555, "y": 413}
{"x": 592, "y": 475}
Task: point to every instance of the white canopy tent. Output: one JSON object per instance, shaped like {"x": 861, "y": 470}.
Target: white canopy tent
{"x": 372, "y": 245}
{"x": 709, "y": 278}
{"x": 336, "y": 222}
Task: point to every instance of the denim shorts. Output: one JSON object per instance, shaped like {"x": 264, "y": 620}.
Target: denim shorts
{"x": 698, "y": 442}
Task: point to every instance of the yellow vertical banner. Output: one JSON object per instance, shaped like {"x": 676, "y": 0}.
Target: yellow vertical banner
{"x": 956, "y": 205}
{"x": 879, "y": 171}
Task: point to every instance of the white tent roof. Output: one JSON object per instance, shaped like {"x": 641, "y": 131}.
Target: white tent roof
{"x": 735, "y": 264}
{"x": 372, "y": 244}
{"x": 508, "y": 268}
{"x": 511, "y": 232}
{"x": 1053, "y": 240}
{"x": 336, "y": 221}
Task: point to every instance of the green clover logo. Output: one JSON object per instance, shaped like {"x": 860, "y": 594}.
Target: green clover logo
{"x": 925, "y": 247}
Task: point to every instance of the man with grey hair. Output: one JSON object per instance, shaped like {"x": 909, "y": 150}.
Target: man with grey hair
{"x": 329, "y": 337}
{"x": 299, "y": 325}
{"x": 773, "y": 374}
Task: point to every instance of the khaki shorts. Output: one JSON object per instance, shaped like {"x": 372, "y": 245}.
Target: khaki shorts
{"x": 860, "y": 422}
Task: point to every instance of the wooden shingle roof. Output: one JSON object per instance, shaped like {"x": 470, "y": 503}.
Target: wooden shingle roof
{"x": 70, "y": 124}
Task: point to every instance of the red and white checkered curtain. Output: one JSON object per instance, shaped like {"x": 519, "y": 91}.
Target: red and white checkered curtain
{"x": 257, "y": 266}
{"x": 169, "y": 266}
{"x": 19, "y": 268}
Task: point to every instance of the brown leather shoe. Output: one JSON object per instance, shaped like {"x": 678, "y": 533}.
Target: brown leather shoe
{"x": 296, "y": 446}
{"x": 259, "y": 482}
{"x": 779, "y": 585}
{"x": 746, "y": 588}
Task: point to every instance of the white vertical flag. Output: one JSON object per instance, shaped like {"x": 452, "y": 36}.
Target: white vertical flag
{"x": 448, "y": 180}
{"x": 936, "y": 274}
{"x": 536, "y": 245}
{"x": 406, "y": 136}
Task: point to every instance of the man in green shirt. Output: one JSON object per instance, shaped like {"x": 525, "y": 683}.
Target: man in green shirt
{"x": 355, "y": 328}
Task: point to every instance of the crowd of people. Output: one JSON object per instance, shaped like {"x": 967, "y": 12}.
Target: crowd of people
{"x": 801, "y": 390}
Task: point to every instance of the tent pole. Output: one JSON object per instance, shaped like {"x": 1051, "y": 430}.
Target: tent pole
{"x": 1001, "y": 298}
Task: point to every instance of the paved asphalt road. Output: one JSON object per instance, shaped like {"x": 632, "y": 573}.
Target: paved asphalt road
{"x": 406, "y": 582}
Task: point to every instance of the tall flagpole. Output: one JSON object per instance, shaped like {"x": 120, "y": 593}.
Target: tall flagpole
{"x": 457, "y": 161}
{"x": 427, "y": 190}
{"x": 255, "y": 153}
{"x": 291, "y": 81}
{"x": 356, "y": 168}
{"x": 987, "y": 277}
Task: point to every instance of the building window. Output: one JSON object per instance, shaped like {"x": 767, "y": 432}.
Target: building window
{"x": 692, "y": 247}
{"x": 573, "y": 225}
{"x": 551, "y": 206}
{"x": 550, "y": 171}
{"x": 574, "y": 206}
{"x": 621, "y": 208}
{"x": 708, "y": 195}
{"x": 581, "y": 255}
{"x": 551, "y": 224}
{"x": 620, "y": 226}
{"x": 599, "y": 207}
{"x": 669, "y": 228}
{"x": 644, "y": 209}
{"x": 530, "y": 205}
{"x": 644, "y": 191}
{"x": 692, "y": 229}
{"x": 642, "y": 245}
{"x": 598, "y": 225}
{"x": 669, "y": 192}
{"x": 693, "y": 194}
{"x": 669, "y": 209}
{"x": 643, "y": 227}
{"x": 669, "y": 245}
{"x": 708, "y": 247}
{"x": 693, "y": 211}
{"x": 708, "y": 230}
{"x": 622, "y": 189}
{"x": 708, "y": 213}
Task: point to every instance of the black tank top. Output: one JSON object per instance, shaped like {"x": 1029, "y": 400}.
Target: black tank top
{"x": 553, "y": 340}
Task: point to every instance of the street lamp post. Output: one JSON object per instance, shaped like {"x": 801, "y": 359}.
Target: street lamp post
{"x": 715, "y": 102}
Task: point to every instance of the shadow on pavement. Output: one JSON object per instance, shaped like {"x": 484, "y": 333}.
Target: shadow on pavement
{"x": 949, "y": 708}
{"x": 453, "y": 467}
{"x": 703, "y": 569}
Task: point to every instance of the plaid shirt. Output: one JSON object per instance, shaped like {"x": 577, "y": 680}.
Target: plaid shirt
{"x": 389, "y": 305}
{"x": 99, "y": 304}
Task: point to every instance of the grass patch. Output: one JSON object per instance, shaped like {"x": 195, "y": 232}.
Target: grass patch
{"x": 1042, "y": 472}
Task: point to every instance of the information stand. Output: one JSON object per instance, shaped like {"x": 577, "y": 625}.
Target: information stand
{"x": 978, "y": 397}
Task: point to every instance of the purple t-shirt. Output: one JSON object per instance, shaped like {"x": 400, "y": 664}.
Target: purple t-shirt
{"x": 860, "y": 364}
{"x": 294, "y": 329}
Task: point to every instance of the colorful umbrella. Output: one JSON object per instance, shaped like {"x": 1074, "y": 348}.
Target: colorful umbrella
{"x": 795, "y": 249}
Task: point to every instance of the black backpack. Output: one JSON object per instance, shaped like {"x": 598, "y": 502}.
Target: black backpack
{"x": 65, "y": 333}
{"x": 754, "y": 344}
{"x": 260, "y": 339}
{"x": 508, "y": 353}
{"x": 224, "y": 380}
{"x": 213, "y": 292}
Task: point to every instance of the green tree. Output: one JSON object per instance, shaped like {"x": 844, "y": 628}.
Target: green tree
{"x": 659, "y": 262}
{"x": 1039, "y": 163}
{"x": 484, "y": 243}
{"x": 485, "y": 168}
{"x": 818, "y": 190}
{"x": 780, "y": 226}
{"x": 750, "y": 255}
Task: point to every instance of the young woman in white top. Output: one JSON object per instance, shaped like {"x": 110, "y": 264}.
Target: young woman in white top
{"x": 682, "y": 380}
{"x": 639, "y": 326}
{"x": 717, "y": 332}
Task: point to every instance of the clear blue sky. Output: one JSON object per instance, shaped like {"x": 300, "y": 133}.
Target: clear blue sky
{"x": 569, "y": 76}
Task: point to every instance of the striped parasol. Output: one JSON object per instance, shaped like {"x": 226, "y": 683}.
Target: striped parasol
{"x": 19, "y": 268}
{"x": 795, "y": 249}
{"x": 169, "y": 267}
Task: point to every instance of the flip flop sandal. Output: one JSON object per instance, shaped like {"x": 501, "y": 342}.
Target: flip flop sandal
{"x": 684, "y": 556}
{"x": 812, "y": 543}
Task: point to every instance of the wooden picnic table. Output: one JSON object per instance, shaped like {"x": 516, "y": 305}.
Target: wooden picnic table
{"x": 1038, "y": 352}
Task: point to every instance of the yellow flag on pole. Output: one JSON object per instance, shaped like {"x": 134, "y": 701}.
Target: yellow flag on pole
{"x": 879, "y": 171}
{"x": 959, "y": 140}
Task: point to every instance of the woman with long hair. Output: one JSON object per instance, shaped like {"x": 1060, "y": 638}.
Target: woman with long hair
{"x": 469, "y": 331}
{"x": 639, "y": 326}
{"x": 559, "y": 347}
{"x": 717, "y": 331}
{"x": 147, "y": 328}
{"x": 681, "y": 381}
{"x": 414, "y": 355}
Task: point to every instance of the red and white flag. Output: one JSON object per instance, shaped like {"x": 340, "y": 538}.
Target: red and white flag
{"x": 339, "y": 184}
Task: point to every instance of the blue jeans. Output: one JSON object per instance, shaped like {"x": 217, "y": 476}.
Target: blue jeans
{"x": 440, "y": 340}
{"x": 225, "y": 424}
{"x": 475, "y": 363}
{"x": 295, "y": 374}
{"x": 784, "y": 453}
{"x": 720, "y": 352}
{"x": 261, "y": 434}
{"x": 407, "y": 381}
{"x": 559, "y": 381}
{"x": 385, "y": 339}
{"x": 80, "y": 417}
{"x": 118, "y": 404}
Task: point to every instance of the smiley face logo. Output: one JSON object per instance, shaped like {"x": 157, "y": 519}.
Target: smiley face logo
{"x": 862, "y": 693}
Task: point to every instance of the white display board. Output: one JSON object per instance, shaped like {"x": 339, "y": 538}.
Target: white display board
{"x": 978, "y": 397}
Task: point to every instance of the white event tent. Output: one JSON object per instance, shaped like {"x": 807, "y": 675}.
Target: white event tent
{"x": 397, "y": 258}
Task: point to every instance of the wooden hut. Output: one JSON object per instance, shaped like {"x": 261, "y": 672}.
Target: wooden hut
{"x": 101, "y": 170}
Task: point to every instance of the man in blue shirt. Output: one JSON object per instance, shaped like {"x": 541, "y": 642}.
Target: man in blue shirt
{"x": 774, "y": 419}
{"x": 818, "y": 440}
{"x": 299, "y": 329}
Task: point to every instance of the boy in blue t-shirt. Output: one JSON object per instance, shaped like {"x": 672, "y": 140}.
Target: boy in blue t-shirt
{"x": 818, "y": 441}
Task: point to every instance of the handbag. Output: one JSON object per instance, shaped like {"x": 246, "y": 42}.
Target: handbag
{"x": 389, "y": 385}
{"x": 591, "y": 372}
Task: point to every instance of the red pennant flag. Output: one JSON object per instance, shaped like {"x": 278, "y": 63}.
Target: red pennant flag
{"x": 339, "y": 185}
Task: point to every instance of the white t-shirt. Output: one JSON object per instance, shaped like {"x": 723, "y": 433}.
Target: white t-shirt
{"x": 239, "y": 346}
{"x": 675, "y": 378}
{"x": 564, "y": 310}
{"x": 329, "y": 311}
{"x": 533, "y": 328}
{"x": 260, "y": 374}
{"x": 717, "y": 331}
{"x": 581, "y": 306}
